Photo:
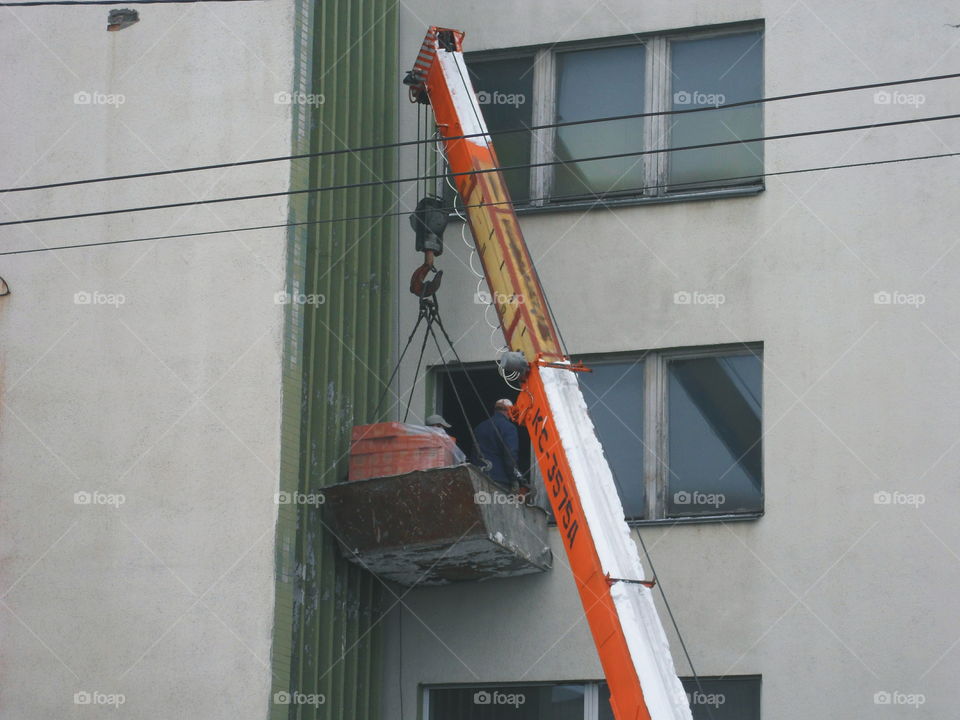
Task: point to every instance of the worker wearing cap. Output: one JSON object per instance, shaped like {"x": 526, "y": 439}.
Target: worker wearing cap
{"x": 437, "y": 421}
{"x": 498, "y": 446}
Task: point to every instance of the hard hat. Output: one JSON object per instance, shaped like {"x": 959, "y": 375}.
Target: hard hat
{"x": 436, "y": 420}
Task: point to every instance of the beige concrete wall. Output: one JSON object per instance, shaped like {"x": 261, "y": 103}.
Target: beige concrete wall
{"x": 830, "y": 596}
{"x": 144, "y": 375}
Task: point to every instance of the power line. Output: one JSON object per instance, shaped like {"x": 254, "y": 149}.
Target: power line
{"x": 599, "y": 200}
{"x": 529, "y": 128}
{"x": 372, "y": 183}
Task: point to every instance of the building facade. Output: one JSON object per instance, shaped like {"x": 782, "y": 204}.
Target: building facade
{"x": 172, "y": 403}
{"x": 770, "y": 340}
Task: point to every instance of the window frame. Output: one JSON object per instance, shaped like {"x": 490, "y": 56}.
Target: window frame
{"x": 592, "y": 690}
{"x": 655, "y": 431}
{"x": 658, "y": 94}
{"x": 666, "y": 98}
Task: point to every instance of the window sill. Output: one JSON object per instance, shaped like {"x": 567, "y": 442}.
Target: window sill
{"x": 613, "y": 203}
{"x": 697, "y": 520}
{"x": 586, "y": 204}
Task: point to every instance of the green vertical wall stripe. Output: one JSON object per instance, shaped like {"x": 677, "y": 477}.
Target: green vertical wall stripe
{"x": 336, "y": 354}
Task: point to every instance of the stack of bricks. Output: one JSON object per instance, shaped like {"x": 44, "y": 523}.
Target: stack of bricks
{"x": 391, "y": 448}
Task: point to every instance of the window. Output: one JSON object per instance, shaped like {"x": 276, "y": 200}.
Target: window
{"x": 682, "y": 430}
{"x": 715, "y": 71}
{"x": 604, "y": 82}
{"x": 614, "y": 394}
{"x": 713, "y": 434}
{"x": 627, "y": 76}
{"x": 464, "y": 395}
{"x": 712, "y": 698}
{"x": 504, "y": 90}
{"x": 727, "y": 698}
{"x": 477, "y": 387}
{"x": 509, "y": 702}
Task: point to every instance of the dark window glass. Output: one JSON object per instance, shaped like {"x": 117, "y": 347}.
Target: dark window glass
{"x": 595, "y": 84}
{"x": 474, "y": 391}
{"x": 714, "y": 435}
{"x": 730, "y": 698}
{"x": 505, "y": 92}
{"x": 614, "y": 395}
{"x": 716, "y": 71}
{"x": 527, "y": 702}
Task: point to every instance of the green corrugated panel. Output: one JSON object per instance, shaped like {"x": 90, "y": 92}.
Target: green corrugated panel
{"x": 326, "y": 632}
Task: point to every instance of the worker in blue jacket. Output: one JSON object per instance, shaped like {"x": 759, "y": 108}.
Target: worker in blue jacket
{"x": 498, "y": 446}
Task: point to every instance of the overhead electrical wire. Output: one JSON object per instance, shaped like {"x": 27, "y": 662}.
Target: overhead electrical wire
{"x": 374, "y": 183}
{"x": 528, "y": 128}
{"x": 599, "y": 200}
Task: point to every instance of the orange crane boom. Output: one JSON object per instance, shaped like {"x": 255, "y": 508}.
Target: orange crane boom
{"x": 632, "y": 646}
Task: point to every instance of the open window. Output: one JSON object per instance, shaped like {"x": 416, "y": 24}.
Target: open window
{"x": 478, "y": 386}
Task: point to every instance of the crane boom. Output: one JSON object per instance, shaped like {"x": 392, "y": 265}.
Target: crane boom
{"x": 632, "y": 646}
